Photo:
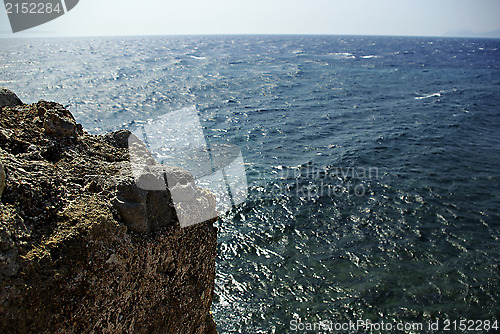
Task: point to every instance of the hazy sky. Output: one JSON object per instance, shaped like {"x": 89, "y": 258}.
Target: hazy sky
{"x": 366, "y": 17}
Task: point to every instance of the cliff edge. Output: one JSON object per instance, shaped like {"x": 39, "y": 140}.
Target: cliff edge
{"x": 82, "y": 248}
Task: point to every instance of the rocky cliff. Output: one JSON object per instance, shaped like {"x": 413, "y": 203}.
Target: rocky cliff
{"x": 82, "y": 248}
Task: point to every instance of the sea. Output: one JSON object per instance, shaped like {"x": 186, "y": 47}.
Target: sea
{"x": 372, "y": 165}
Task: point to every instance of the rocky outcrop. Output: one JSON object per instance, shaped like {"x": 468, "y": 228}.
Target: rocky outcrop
{"x": 83, "y": 248}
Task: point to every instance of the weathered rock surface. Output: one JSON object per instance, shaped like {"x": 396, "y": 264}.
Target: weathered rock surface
{"x": 83, "y": 249}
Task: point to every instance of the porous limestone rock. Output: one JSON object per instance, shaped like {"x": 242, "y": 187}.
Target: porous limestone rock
{"x": 83, "y": 248}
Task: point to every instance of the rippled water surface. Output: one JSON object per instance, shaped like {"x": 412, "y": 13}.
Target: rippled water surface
{"x": 373, "y": 163}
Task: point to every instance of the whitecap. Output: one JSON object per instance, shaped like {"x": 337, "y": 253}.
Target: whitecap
{"x": 438, "y": 94}
{"x": 342, "y": 55}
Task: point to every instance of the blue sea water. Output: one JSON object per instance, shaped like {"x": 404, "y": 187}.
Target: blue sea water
{"x": 373, "y": 163}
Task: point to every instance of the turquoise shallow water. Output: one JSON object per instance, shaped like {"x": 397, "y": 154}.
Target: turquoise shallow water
{"x": 373, "y": 163}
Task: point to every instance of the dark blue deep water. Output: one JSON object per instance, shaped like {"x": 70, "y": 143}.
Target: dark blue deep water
{"x": 373, "y": 163}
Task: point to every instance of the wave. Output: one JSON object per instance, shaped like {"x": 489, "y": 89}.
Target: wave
{"x": 438, "y": 94}
{"x": 342, "y": 55}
